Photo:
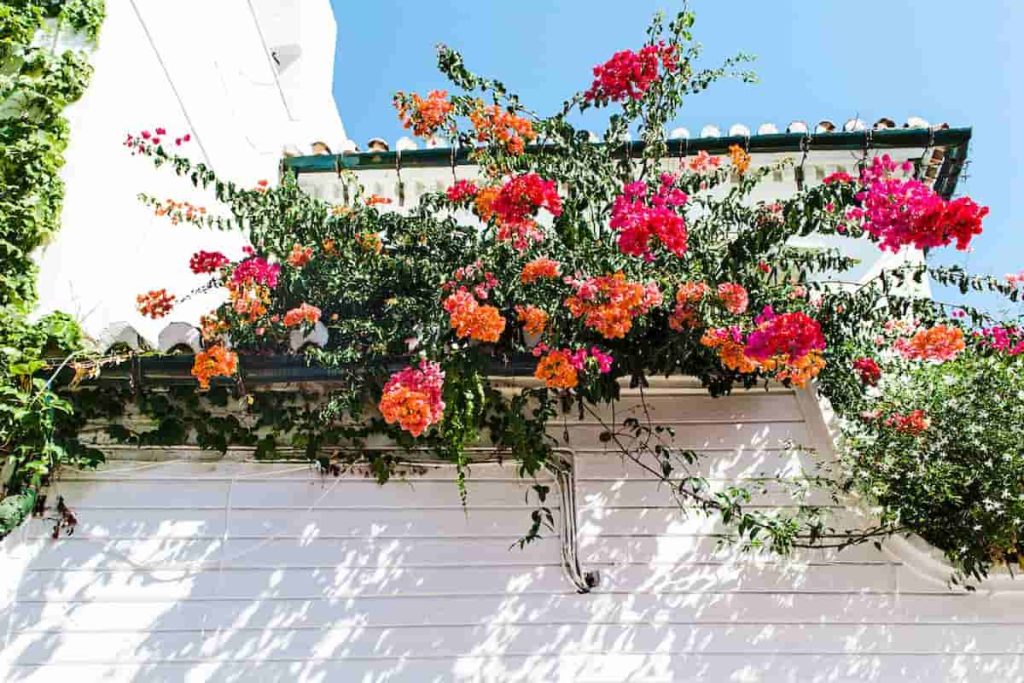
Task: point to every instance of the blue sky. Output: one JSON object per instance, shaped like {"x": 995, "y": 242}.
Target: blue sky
{"x": 944, "y": 60}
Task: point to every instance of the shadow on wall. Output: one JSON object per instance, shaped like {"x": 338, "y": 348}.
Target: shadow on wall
{"x": 239, "y": 572}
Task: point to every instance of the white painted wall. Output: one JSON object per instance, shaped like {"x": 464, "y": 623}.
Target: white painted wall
{"x": 220, "y": 570}
{"x": 189, "y": 66}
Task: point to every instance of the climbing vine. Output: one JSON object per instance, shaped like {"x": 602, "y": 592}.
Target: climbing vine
{"x": 37, "y": 81}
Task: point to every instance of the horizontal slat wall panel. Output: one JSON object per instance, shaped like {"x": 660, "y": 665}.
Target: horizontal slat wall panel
{"x": 610, "y": 667}
{"x": 186, "y": 568}
{"x": 935, "y": 608}
{"x": 724, "y": 435}
{"x": 340, "y": 642}
{"x": 540, "y": 578}
{"x": 185, "y": 553}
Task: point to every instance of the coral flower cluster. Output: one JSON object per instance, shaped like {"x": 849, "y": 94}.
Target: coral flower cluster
{"x": 423, "y": 115}
{"x": 534, "y": 319}
{"x": 939, "y": 343}
{"x": 560, "y": 368}
{"x": 304, "y": 313}
{"x": 216, "y": 361}
{"x": 155, "y": 303}
{"x": 685, "y": 314}
{"x": 905, "y": 211}
{"x": 541, "y": 268}
{"x": 641, "y": 214}
{"x": 473, "y": 320}
{"x": 608, "y": 304}
{"x": 914, "y": 423}
{"x": 497, "y": 125}
{"x": 703, "y": 162}
{"x": 629, "y": 74}
{"x": 178, "y": 211}
{"x": 300, "y": 256}
{"x": 412, "y": 397}
{"x": 733, "y": 297}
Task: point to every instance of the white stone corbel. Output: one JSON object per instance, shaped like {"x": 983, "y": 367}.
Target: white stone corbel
{"x": 318, "y": 336}
{"x": 123, "y": 333}
{"x": 180, "y": 334}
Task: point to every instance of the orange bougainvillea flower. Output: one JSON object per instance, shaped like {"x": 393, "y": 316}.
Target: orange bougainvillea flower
{"x": 728, "y": 342}
{"x": 330, "y": 247}
{"x": 540, "y": 268}
{"x": 484, "y": 202}
{"x": 686, "y": 315}
{"x": 249, "y": 299}
{"x": 300, "y": 256}
{"x": 556, "y": 371}
{"x": 914, "y": 423}
{"x": 375, "y": 199}
{"x": 212, "y": 327}
{"x": 534, "y": 319}
{"x": 413, "y": 397}
{"x": 797, "y": 372}
{"x": 940, "y": 343}
{"x": 609, "y": 303}
{"x": 370, "y": 242}
{"x": 471, "y": 320}
{"x": 155, "y": 304}
{"x": 740, "y": 158}
{"x": 424, "y": 116}
{"x": 303, "y": 314}
{"x": 498, "y": 125}
{"x": 215, "y": 361}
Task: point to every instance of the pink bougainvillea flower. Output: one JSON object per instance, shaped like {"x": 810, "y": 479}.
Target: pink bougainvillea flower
{"x": 643, "y": 216}
{"x": 462, "y": 191}
{"x": 902, "y": 212}
{"x": 629, "y": 74}
{"x": 256, "y": 270}
{"x": 868, "y": 371}
{"x": 203, "y": 262}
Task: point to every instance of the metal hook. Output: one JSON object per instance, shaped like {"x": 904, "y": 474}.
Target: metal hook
{"x": 924, "y": 160}
{"x": 805, "y": 147}
{"x": 869, "y": 135}
{"x": 398, "y": 172}
{"x": 684, "y": 150}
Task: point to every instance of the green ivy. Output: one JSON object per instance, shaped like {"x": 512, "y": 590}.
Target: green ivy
{"x": 37, "y": 82}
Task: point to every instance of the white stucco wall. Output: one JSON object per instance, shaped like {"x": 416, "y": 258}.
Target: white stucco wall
{"x": 190, "y": 66}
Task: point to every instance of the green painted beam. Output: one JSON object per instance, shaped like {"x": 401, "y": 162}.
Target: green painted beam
{"x": 954, "y": 139}
{"x": 892, "y": 138}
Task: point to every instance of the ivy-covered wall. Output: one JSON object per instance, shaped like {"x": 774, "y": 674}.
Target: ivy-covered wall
{"x": 38, "y": 80}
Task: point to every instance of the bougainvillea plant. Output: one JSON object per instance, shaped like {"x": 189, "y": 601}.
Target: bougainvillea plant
{"x": 602, "y": 270}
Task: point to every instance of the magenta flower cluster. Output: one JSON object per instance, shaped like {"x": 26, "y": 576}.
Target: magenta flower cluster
{"x": 641, "y": 215}
{"x": 904, "y": 211}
